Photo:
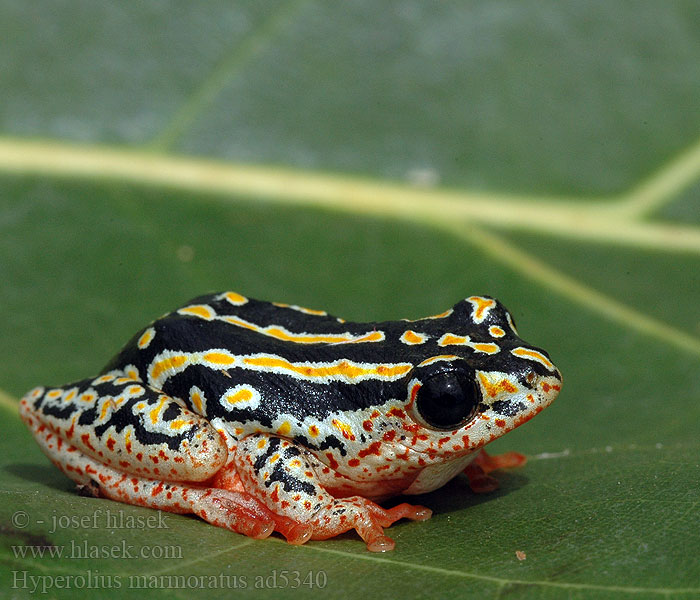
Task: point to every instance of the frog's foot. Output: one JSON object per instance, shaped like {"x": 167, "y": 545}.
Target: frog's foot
{"x": 277, "y": 472}
{"x": 478, "y": 470}
{"x": 365, "y": 517}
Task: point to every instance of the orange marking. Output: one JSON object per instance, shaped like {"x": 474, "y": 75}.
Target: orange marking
{"x": 533, "y": 355}
{"x": 343, "y": 369}
{"x": 218, "y": 358}
{"x": 481, "y": 307}
{"x": 235, "y": 298}
{"x": 198, "y": 310}
{"x": 344, "y": 428}
{"x": 87, "y": 397}
{"x": 168, "y": 364}
{"x": 242, "y": 395}
{"x": 146, "y": 338}
{"x": 450, "y": 340}
{"x": 486, "y": 348}
{"x": 496, "y": 331}
{"x": 313, "y": 431}
{"x": 411, "y": 337}
{"x": 196, "y": 400}
{"x": 284, "y": 429}
{"x": 492, "y": 389}
{"x": 155, "y": 411}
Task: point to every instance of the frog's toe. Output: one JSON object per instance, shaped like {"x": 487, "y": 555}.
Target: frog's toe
{"x": 381, "y": 543}
{"x": 365, "y": 517}
{"x": 298, "y": 534}
{"x": 406, "y": 511}
{"x": 238, "y": 512}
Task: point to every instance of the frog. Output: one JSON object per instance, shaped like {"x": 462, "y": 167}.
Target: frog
{"x": 264, "y": 417}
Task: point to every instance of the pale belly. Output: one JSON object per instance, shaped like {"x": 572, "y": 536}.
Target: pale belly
{"x": 435, "y": 476}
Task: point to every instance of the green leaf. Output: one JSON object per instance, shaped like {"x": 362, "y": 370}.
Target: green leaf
{"x": 379, "y": 161}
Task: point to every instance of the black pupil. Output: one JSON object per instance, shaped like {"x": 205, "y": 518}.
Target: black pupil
{"x": 448, "y": 400}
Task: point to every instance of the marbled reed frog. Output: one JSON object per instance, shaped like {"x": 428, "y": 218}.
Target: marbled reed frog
{"x": 263, "y": 417}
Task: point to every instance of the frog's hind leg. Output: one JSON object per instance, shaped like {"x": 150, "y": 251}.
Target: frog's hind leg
{"x": 277, "y": 471}
{"x": 119, "y": 438}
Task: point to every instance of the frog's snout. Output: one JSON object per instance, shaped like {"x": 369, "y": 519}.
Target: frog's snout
{"x": 549, "y": 387}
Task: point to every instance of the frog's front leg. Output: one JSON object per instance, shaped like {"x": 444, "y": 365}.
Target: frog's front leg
{"x": 277, "y": 472}
{"x": 119, "y": 438}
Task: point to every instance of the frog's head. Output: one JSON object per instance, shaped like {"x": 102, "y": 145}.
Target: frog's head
{"x": 484, "y": 382}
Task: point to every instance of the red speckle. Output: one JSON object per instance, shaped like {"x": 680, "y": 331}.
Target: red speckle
{"x": 274, "y": 496}
{"x": 325, "y": 470}
{"x": 367, "y": 425}
{"x": 465, "y": 439}
{"x": 154, "y": 459}
{"x": 442, "y": 441}
{"x": 139, "y": 456}
{"x": 86, "y": 440}
{"x": 157, "y": 490}
{"x": 334, "y": 463}
{"x": 163, "y": 455}
{"x": 372, "y": 449}
{"x": 354, "y": 462}
{"x": 389, "y": 436}
{"x": 285, "y": 504}
{"x": 403, "y": 456}
{"x": 110, "y": 444}
{"x": 179, "y": 459}
{"x": 501, "y": 422}
{"x": 123, "y": 463}
{"x": 397, "y": 412}
{"x": 69, "y": 432}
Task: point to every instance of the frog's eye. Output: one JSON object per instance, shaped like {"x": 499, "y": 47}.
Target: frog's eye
{"x": 448, "y": 400}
